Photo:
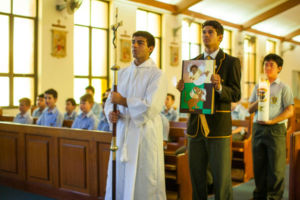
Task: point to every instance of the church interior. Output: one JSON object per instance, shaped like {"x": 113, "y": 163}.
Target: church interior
{"x": 68, "y": 45}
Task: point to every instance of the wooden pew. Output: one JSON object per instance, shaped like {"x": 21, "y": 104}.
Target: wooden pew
{"x": 242, "y": 150}
{"x": 7, "y": 118}
{"x": 178, "y": 182}
{"x": 66, "y": 123}
{"x": 294, "y": 177}
{"x": 60, "y": 163}
{"x": 297, "y": 118}
{"x": 289, "y": 131}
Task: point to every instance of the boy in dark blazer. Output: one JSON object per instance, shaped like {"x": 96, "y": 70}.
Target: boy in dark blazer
{"x": 214, "y": 149}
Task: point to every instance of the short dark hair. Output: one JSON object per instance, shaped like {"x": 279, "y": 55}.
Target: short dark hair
{"x": 52, "y": 92}
{"x": 219, "y": 28}
{"x": 90, "y": 88}
{"x": 26, "y": 101}
{"x": 172, "y": 96}
{"x": 72, "y": 101}
{"x": 87, "y": 97}
{"x": 41, "y": 96}
{"x": 149, "y": 37}
{"x": 104, "y": 99}
{"x": 276, "y": 58}
{"x": 194, "y": 66}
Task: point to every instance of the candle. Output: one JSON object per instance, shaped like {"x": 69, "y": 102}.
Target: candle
{"x": 263, "y": 100}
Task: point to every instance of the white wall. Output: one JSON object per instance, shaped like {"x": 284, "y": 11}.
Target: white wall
{"x": 54, "y": 72}
{"x": 291, "y": 63}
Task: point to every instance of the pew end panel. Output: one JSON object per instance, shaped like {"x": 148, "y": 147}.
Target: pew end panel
{"x": 294, "y": 176}
{"x": 242, "y": 150}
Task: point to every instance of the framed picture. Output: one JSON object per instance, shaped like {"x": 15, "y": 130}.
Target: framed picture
{"x": 198, "y": 93}
{"x": 125, "y": 50}
{"x": 59, "y": 43}
{"x": 174, "y": 57}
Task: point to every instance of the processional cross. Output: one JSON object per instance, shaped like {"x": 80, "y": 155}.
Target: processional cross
{"x": 114, "y": 68}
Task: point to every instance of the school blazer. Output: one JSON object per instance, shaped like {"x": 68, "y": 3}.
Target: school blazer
{"x": 219, "y": 123}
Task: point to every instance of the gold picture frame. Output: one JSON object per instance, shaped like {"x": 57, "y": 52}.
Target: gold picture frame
{"x": 125, "y": 54}
{"x": 59, "y": 43}
{"x": 174, "y": 56}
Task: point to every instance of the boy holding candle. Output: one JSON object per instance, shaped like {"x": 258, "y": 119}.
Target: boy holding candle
{"x": 269, "y": 137}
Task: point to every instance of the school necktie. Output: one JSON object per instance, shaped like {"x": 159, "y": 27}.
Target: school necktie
{"x": 204, "y": 125}
{"x": 208, "y": 57}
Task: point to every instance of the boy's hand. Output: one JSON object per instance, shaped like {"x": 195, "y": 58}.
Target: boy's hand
{"x": 216, "y": 80}
{"x": 116, "y": 98}
{"x": 269, "y": 122}
{"x": 114, "y": 116}
{"x": 180, "y": 85}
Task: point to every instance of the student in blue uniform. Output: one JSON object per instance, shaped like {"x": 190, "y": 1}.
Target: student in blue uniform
{"x": 70, "y": 113}
{"x": 41, "y": 106}
{"x": 168, "y": 111}
{"x": 96, "y": 108}
{"x": 103, "y": 124}
{"x": 51, "y": 116}
{"x": 24, "y": 117}
{"x": 269, "y": 137}
{"x": 86, "y": 119}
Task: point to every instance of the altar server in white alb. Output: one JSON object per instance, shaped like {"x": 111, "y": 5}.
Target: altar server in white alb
{"x": 142, "y": 90}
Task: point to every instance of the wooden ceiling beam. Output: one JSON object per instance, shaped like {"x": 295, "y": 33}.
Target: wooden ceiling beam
{"x": 206, "y": 17}
{"x": 157, "y": 4}
{"x": 270, "y": 13}
{"x": 184, "y": 5}
{"x": 292, "y": 34}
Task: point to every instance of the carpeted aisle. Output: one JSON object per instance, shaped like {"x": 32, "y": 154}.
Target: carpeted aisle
{"x": 8, "y": 193}
{"x": 244, "y": 191}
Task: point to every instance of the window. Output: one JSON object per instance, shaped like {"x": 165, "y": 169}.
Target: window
{"x": 249, "y": 70}
{"x": 270, "y": 46}
{"x": 151, "y": 22}
{"x": 91, "y": 48}
{"x": 18, "y": 36}
{"x": 226, "y": 42}
{"x": 191, "y": 39}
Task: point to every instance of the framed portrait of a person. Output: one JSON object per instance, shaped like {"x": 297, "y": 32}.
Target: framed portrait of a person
{"x": 198, "y": 93}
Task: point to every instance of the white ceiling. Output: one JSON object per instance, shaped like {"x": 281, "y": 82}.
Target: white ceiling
{"x": 241, "y": 11}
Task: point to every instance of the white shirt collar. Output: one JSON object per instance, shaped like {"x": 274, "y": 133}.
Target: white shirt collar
{"x": 212, "y": 55}
{"x": 147, "y": 63}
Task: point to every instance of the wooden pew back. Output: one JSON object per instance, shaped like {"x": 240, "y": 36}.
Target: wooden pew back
{"x": 247, "y": 123}
{"x": 54, "y": 159}
{"x": 242, "y": 150}
{"x": 294, "y": 185}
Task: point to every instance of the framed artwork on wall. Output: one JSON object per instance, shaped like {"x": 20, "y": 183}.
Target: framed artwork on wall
{"x": 59, "y": 43}
{"x": 125, "y": 50}
{"x": 174, "y": 56}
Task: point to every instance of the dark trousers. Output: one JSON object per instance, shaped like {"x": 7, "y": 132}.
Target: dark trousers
{"x": 216, "y": 152}
{"x": 269, "y": 155}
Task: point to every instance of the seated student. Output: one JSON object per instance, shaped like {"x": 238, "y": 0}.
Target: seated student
{"x": 24, "y": 117}
{"x": 238, "y": 112}
{"x": 41, "y": 106}
{"x": 96, "y": 108}
{"x": 70, "y": 113}
{"x": 51, "y": 115}
{"x": 168, "y": 111}
{"x": 103, "y": 124}
{"x": 86, "y": 119}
